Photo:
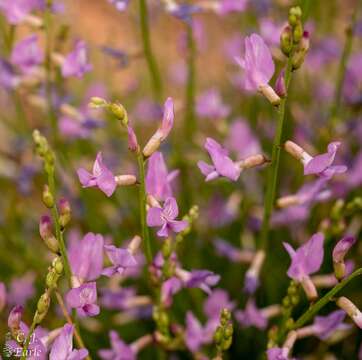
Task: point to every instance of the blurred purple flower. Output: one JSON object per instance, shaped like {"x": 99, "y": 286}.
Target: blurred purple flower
{"x": 278, "y": 354}
{"x": 307, "y": 259}
{"x": 270, "y": 31}
{"x": 8, "y": 77}
{"x": 101, "y": 177}
{"x": 228, "y": 6}
{"x": 217, "y": 300}
{"x": 165, "y": 217}
{"x": 196, "y": 335}
{"x": 120, "y": 56}
{"x": 120, "y": 258}
{"x": 209, "y": 105}
{"x": 183, "y": 11}
{"x": 325, "y": 326}
{"x": 62, "y": 348}
{"x": 322, "y": 165}
{"x": 86, "y": 257}
{"x": 76, "y": 62}
{"x": 251, "y": 316}
{"x": 27, "y": 54}
{"x": 342, "y": 247}
{"x": 257, "y": 63}
{"x": 222, "y": 164}
{"x": 16, "y": 11}
{"x": 119, "y": 349}
{"x": 158, "y": 180}
{"x": 83, "y": 298}
{"x": 202, "y": 279}
{"x": 116, "y": 299}
{"x": 121, "y": 5}
{"x": 169, "y": 288}
{"x": 21, "y": 289}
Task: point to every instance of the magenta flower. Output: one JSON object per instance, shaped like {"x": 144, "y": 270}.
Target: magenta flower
{"x": 62, "y": 348}
{"x": 83, "y": 298}
{"x": 257, "y": 63}
{"x": 119, "y": 349}
{"x": 86, "y": 257}
{"x": 16, "y": 11}
{"x": 27, "y": 54}
{"x": 169, "y": 288}
{"x": 21, "y": 289}
{"x": 76, "y": 62}
{"x": 162, "y": 132}
{"x": 101, "y": 177}
{"x": 307, "y": 259}
{"x": 121, "y": 259}
{"x": 197, "y": 335}
{"x": 322, "y": 165}
{"x": 222, "y": 164}
{"x": 278, "y": 354}
{"x": 251, "y": 316}
{"x": 217, "y": 300}
{"x": 165, "y": 217}
{"x": 228, "y": 6}
{"x": 209, "y": 105}
{"x": 158, "y": 179}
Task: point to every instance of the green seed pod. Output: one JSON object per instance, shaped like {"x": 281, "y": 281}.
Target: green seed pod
{"x": 119, "y": 112}
{"x": 47, "y": 197}
{"x": 43, "y": 303}
{"x": 51, "y": 279}
{"x": 58, "y": 265}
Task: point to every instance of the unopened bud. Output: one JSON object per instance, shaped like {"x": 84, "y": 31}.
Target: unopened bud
{"x": 124, "y": 180}
{"x": 45, "y": 230}
{"x": 58, "y": 265}
{"x": 270, "y": 94}
{"x": 134, "y": 244}
{"x": 65, "y": 212}
{"x": 298, "y": 32}
{"x": 309, "y": 288}
{"x": 287, "y": 201}
{"x": 43, "y": 303}
{"x": 295, "y": 14}
{"x": 339, "y": 252}
{"x": 51, "y": 279}
{"x": 300, "y": 54}
{"x": 132, "y": 140}
{"x": 15, "y": 317}
{"x": 280, "y": 87}
{"x": 253, "y": 161}
{"x": 351, "y": 310}
{"x": 119, "y": 112}
{"x": 286, "y": 40}
{"x": 96, "y": 102}
{"x": 47, "y": 197}
{"x": 225, "y": 316}
{"x": 295, "y": 150}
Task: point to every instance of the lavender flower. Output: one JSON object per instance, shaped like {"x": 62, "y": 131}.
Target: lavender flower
{"x": 101, "y": 177}
{"x": 196, "y": 335}
{"x": 21, "y": 289}
{"x": 325, "y": 326}
{"x": 119, "y": 349}
{"x": 8, "y": 77}
{"x": 76, "y": 62}
{"x": 169, "y": 288}
{"x": 27, "y": 55}
{"x": 251, "y": 316}
{"x": 228, "y": 6}
{"x": 121, "y": 5}
{"x": 217, "y": 300}
{"x": 121, "y": 259}
{"x": 62, "y": 348}
{"x": 222, "y": 164}
{"x": 86, "y": 257}
{"x": 158, "y": 179}
{"x": 339, "y": 252}
{"x": 209, "y": 105}
{"x": 16, "y": 11}
{"x": 165, "y": 217}
{"x": 83, "y": 298}
{"x": 202, "y": 279}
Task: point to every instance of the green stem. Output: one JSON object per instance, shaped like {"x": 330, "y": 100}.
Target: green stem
{"x": 342, "y": 67}
{"x": 147, "y": 49}
{"x": 272, "y": 178}
{"x": 314, "y": 309}
{"x": 142, "y": 205}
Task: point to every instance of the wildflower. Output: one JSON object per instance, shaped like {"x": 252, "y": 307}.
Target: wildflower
{"x": 169, "y": 288}
{"x": 339, "y": 252}
{"x": 321, "y": 165}
{"x": 216, "y": 301}
{"x": 196, "y": 335}
{"x": 209, "y": 105}
{"x": 121, "y": 259}
{"x": 162, "y": 132}
{"x": 76, "y": 62}
{"x": 233, "y": 253}
{"x": 8, "y": 77}
{"x": 201, "y": 279}
{"x": 305, "y": 261}
{"x": 14, "y": 318}
{"x": 83, "y": 298}
{"x": 62, "y": 348}
{"x": 17, "y": 11}
{"x": 252, "y": 274}
{"x": 119, "y": 349}
{"x": 86, "y": 257}
{"x": 282, "y": 353}
{"x": 251, "y": 316}
{"x": 165, "y": 217}
{"x": 228, "y": 6}
{"x": 21, "y": 289}
{"x": 132, "y": 139}
{"x": 259, "y": 67}
{"x": 101, "y": 177}
{"x": 46, "y": 233}
{"x": 158, "y": 179}
{"x": 27, "y": 55}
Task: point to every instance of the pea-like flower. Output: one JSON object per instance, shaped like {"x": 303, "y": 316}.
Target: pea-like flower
{"x": 83, "y": 298}
{"x": 165, "y": 217}
{"x": 101, "y": 177}
{"x": 119, "y": 349}
{"x": 121, "y": 259}
{"x": 76, "y": 62}
{"x": 339, "y": 252}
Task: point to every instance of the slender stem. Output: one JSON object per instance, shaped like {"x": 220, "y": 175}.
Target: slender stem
{"x": 147, "y": 49}
{"x": 142, "y": 205}
{"x": 27, "y": 341}
{"x": 314, "y": 309}
{"x": 272, "y": 178}
{"x": 342, "y": 67}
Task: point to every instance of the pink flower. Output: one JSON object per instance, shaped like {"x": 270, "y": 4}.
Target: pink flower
{"x": 120, "y": 258}
{"x": 257, "y": 63}
{"x": 84, "y": 298}
{"x": 101, "y": 177}
{"x": 165, "y": 217}
{"x": 222, "y": 164}
{"x": 76, "y": 62}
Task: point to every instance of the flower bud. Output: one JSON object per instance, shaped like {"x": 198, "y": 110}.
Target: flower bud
{"x": 119, "y": 112}
{"x": 270, "y": 94}
{"x": 134, "y": 244}
{"x": 339, "y": 252}
{"x": 297, "y": 33}
{"x": 58, "y": 265}
{"x": 43, "y": 303}
{"x": 45, "y": 230}
{"x": 280, "y": 87}
{"x": 309, "y": 288}
{"x": 351, "y": 310}
{"x": 64, "y": 212}
{"x": 286, "y": 40}
{"x": 225, "y": 316}
{"x": 132, "y": 140}
{"x": 295, "y": 14}
{"x": 124, "y": 180}
{"x": 300, "y": 54}
{"x": 15, "y": 317}
{"x": 97, "y": 102}
{"x": 253, "y": 161}
{"x": 51, "y": 279}
{"x": 47, "y": 197}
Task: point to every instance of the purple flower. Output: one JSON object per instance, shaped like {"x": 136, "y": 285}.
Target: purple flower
{"x": 165, "y": 217}
{"x": 119, "y": 349}
{"x": 16, "y": 11}
{"x": 86, "y": 257}
{"x": 222, "y": 164}
{"x": 169, "y": 288}
{"x": 209, "y": 105}
{"x": 270, "y": 31}
{"x": 241, "y": 139}
{"x": 202, "y": 279}
{"x": 196, "y": 335}
{"x": 257, "y": 63}
{"x": 15, "y": 316}
{"x": 278, "y": 354}
{"x": 217, "y": 300}
{"x": 121, "y": 259}
{"x": 251, "y": 316}
{"x": 183, "y": 12}
{"x": 228, "y": 6}
{"x": 158, "y": 180}
{"x": 26, "y": 54}
{"x": 307, "y": 259}
{"x": 101, "y": 177}
{"x": 8, "y": 77}
{"x": 62, "y": 348}
{"x": 121, "y": 5}
{"x": 21, "y": 289}
{"x": 342, "y": 247}
{"x": 117, "y": 299}
{"x": 322, "y": 165}
{"x": 223, "y": 248}
{"x": 83, "y": 298}
{"x": 325, "y": 326}
{"x": 76, "y": 62}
